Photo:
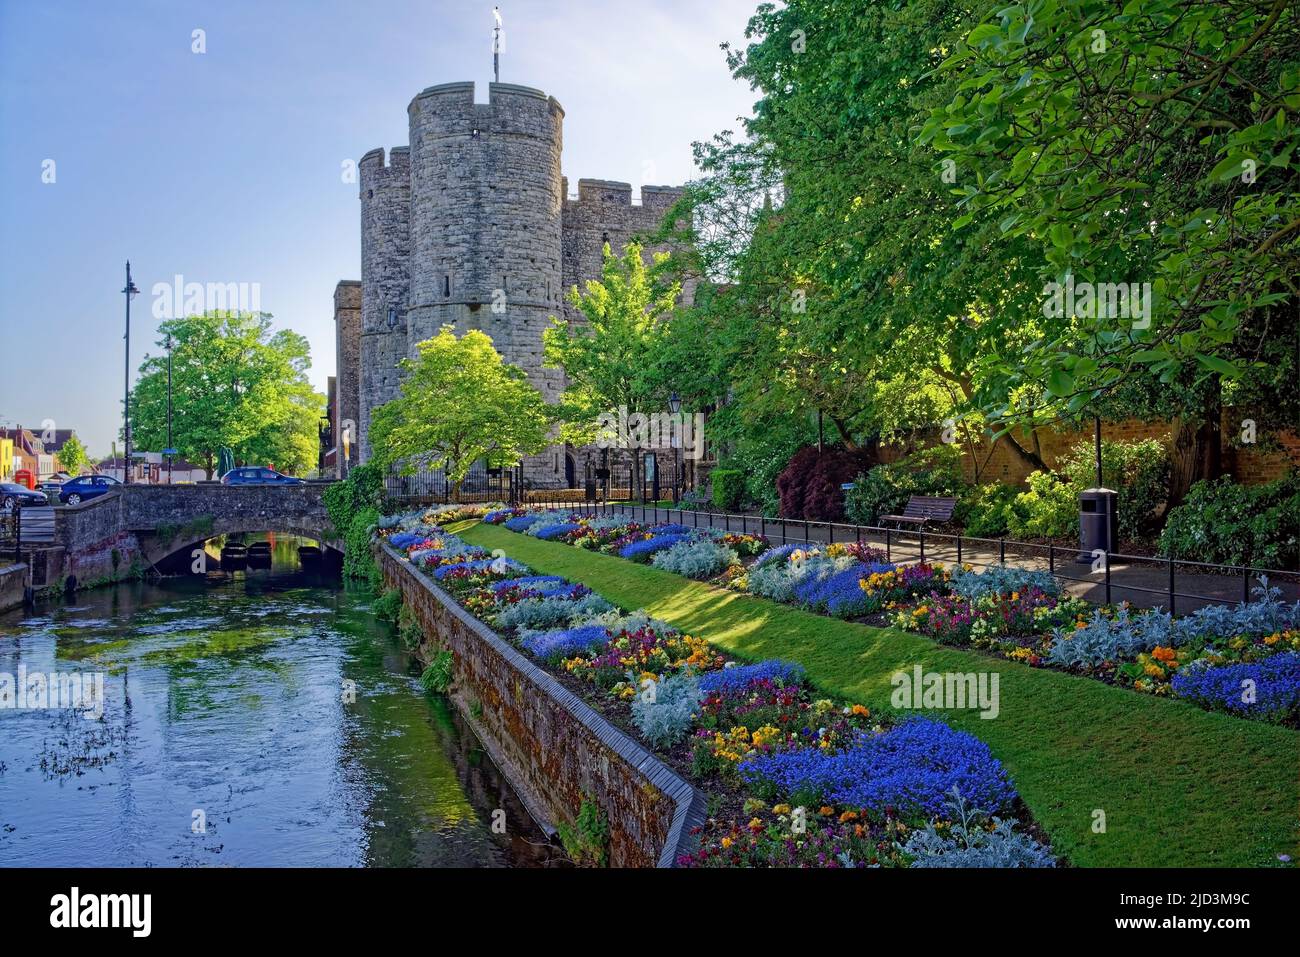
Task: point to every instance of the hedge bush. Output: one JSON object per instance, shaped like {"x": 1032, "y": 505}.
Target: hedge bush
{"x": 1049, "y": 509}
{"x": 728, "y": 488}
{"x": 1225, "y": 522}
{"x": 1139, "y": 471}
{"x": 885, "y": 489}
{"x": 353, "y": 508}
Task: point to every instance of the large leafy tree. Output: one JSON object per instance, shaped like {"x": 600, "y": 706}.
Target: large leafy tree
{"x": 459, "y": 403}
{"x": 1148, "y": 142}
{"x": 235, "y": 382}
{"x": 607, "y": 356}
{"x": 850, "y": 295}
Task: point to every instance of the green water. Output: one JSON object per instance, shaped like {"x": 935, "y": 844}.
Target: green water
{"x": 249, "y": 718}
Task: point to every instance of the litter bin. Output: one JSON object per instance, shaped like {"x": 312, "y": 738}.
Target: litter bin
{"x": 1098, "y": 522}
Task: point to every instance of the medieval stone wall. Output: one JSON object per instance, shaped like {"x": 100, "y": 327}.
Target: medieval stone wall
{"x": 470, "y": 227}
{"x": 385, "y": 281}
{"x": 347, "y": 385}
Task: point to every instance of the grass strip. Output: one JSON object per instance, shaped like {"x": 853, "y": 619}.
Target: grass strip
{"x": 1178, "y": 786}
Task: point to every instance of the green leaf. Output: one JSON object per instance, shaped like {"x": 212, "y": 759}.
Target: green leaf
{"x": 1060, "y": 383}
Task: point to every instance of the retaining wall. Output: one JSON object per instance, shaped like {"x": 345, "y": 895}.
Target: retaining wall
{"x": 13, "y": 578}
{"x": 556, "y": 750}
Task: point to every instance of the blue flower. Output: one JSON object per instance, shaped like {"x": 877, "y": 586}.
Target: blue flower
{"x": 648, "y": 546}
{"x": 779, "y": 554}
{"x": 528, "y": 581}
{"x": 839, "y": 592}
{"x": 555, "y": 531}
{"x": 566, "y": 642}
{"x": 911, "y": 768}
{"x": 730, "y": 681}
{"x": 1254, "y": 689}
{"x": 520, "y": 523}
{"x": 442, "y": 571}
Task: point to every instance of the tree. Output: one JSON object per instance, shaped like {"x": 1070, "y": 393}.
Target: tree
{"x": 1143, "y": 143}
{"x": 607, "y": 358}
{"x": 847, "y": 290}
{"x": 73, "y": 455}
{"x": 235, "y": 382}
{"x": 459, "y": 403}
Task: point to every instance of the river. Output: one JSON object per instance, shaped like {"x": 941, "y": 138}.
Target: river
{"x": 260, "y": 717}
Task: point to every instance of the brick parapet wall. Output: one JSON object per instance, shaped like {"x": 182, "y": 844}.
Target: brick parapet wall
{"x": 556, "y": 749}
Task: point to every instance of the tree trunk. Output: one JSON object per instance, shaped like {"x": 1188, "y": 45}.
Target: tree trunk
{"x": 1026, "y": 455}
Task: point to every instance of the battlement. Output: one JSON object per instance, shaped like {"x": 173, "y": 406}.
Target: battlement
{"x": 457, "y": 99}
{"x": 661, "y": 197}
{"x": 605, "y": 191}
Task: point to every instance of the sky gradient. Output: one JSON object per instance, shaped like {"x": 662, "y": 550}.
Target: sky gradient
{"x": 226, "y": 166}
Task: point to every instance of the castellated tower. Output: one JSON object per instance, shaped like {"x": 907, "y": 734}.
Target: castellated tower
{"x": 470, "y": 226}
{"x": 385, "y": 281}
{"x": 485, "y": 222}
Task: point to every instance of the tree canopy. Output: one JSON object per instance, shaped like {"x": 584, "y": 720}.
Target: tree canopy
{"x": 235, "y": 382}
{"x": 885, "y": 228}
{"x": 459, "y": 403}
{"x": 609, "y": 356}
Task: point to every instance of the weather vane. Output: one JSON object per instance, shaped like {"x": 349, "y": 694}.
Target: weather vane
{"x": 496, "y": 46}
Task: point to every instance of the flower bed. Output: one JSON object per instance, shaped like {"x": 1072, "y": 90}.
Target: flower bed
{"x": 720, "y": 720}
{"x": 1008, "y": 612}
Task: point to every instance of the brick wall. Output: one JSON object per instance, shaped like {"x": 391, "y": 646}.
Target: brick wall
{"x": 555, "y": 749}
{"x": 1001, "y": 464}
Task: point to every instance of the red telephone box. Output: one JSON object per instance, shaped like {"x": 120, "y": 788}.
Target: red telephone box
{"x": 25, "y": 477}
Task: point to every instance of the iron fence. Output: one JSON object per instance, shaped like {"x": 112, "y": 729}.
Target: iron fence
{"x": 1110, "y": 574}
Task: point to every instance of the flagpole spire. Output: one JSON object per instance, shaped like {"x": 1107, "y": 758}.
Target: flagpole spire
{"x": 496, "y": 46}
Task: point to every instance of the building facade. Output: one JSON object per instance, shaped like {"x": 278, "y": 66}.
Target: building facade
{"x": 472, "y": 226}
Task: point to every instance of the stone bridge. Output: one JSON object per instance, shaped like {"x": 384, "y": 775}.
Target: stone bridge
{"x": 133, "y": 529}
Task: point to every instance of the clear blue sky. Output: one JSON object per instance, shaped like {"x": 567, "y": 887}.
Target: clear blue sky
{"x": 226, "y": 166}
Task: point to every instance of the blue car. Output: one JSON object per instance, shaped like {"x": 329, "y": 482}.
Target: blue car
{"x": 85, "y": 487}
{"x": 257, "y": 475}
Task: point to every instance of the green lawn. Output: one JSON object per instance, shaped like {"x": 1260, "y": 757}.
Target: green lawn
{"x": 1179, "y": 786}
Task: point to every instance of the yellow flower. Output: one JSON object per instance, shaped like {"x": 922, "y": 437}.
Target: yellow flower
{"x": 781, "y": 809}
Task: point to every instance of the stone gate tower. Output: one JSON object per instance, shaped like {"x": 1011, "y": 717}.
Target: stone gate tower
{"x": 470, "y": 226}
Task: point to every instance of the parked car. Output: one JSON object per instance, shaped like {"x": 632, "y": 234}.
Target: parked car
{"x": 257, "y": 475}
{"x": 85, "y": 487}
{"x": 11, "y": 492}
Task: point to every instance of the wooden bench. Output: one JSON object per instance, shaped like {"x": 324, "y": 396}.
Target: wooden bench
{"x": 922, "y": 510}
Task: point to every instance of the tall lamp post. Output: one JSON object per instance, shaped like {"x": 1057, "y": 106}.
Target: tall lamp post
{"x": 130, "y": 291}
{"x": 171, "y": 451}
{"x": 675, "y": 406}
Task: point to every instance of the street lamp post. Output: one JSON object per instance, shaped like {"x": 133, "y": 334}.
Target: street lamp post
{"x": 170, "y": 447}
{"x": 675, "y": 406}
{"x": 130, "y": 291}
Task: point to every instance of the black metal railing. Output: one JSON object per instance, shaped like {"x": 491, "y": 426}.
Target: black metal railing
{"x": 1109, "y": 572}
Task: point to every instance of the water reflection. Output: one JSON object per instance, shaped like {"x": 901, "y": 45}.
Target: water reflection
{"x": 229, "y": 736}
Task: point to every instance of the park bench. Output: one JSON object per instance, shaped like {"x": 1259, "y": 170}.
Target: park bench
{"x": 921, "y": 510}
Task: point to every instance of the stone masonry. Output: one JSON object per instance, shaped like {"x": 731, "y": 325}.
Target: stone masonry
{"x": 471, "y": 226}
{"x": 347, "y": 388}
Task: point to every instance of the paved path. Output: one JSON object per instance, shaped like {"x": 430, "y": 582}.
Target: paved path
{"x": 1144, "y": 583}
